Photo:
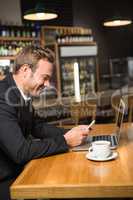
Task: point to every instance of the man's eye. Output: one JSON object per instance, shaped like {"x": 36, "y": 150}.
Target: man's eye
{"x": 45, "y": 78}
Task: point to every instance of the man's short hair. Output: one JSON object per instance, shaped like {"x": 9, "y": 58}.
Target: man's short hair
{"x": 31, "y": 55}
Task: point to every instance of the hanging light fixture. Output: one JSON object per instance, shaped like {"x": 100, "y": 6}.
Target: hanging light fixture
{"x": 40, "y": 13}
{"x": 117, "y": 21}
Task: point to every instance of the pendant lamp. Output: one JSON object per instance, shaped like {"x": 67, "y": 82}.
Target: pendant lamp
{"x": 117, "y": 21}
{"x": 39, "y": 13}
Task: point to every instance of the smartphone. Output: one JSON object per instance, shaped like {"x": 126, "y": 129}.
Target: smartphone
{"x": 91, "y": 124}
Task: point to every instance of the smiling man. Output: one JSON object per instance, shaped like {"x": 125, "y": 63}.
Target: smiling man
{"x": 33, "y": 83}
{"x": 23, "y": 135}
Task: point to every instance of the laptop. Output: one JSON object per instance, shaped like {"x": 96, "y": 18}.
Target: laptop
{"x": 113, "y": 137}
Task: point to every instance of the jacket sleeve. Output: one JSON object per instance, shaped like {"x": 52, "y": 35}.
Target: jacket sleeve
{"x": 21, "y": 149}
{"x": 41, "y": 129}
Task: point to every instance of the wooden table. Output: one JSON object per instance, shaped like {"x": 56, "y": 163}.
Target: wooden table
{"x": 71, "y": 175}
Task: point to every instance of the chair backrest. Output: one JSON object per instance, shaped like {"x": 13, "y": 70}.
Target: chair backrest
{"x": 130, "y": 108}
{"x": 83, "y": 110}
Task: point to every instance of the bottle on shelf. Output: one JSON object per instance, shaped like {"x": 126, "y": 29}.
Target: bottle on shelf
{"x": 19, "y": 31}
{"x": 11, "y": 48}
{"x": 74, "y": 38}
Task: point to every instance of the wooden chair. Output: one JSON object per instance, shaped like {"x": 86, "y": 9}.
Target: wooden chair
{"x": 130, "y": 108}
{"x": 128, "y": 99}
{"x": 83, "y": 111}
{"x": 115, "y": 105}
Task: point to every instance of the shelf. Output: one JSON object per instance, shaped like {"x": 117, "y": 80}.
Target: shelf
{"x": 113, "y": 76}
{"x": 19, "y": 39}
{"x": 71, "y": 44}
{"x": 118, "y": 75}
{"x": 67, "y": 30}
{"x": 7, "y": 57}
{"x": 105, "y": 76}
{"x": 77, "y": 43}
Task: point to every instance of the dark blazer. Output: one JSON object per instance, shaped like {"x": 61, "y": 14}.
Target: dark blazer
{"x": 23, "y": 135}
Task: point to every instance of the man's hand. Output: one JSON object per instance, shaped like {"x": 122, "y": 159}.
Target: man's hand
{"x": 76, "y": 135}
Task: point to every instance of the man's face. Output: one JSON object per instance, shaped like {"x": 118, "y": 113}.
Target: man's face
{"x": 38, "y": 80}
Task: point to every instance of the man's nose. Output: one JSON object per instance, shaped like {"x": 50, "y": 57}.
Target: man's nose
{"x": 47, "y": 83}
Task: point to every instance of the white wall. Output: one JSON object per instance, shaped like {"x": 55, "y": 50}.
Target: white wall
{"x": 10, "y": 13}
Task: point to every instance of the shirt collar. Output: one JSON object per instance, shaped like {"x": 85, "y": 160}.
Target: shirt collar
{"x": 25, "y": 97}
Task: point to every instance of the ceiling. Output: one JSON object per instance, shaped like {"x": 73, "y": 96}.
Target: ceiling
{"x": 113, "y": 42}
{"x": 102, "y": 9}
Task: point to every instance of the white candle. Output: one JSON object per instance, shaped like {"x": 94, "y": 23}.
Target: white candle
{"x": 76, "y": 83}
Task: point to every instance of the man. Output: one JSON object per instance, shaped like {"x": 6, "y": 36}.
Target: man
{"x": 23, "y": 135}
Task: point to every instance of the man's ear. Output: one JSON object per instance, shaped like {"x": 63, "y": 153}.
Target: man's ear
{"x": 24, "y": 68}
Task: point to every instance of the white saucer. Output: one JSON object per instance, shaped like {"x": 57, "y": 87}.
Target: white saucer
{"x": 112, "y": 156}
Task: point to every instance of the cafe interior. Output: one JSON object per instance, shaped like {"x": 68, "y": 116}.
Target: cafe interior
{"x": 93, "y": 45}
{"x": 94, "y": 58}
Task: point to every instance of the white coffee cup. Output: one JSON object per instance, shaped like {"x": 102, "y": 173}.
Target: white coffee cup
{"x": 100, "y": 149}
